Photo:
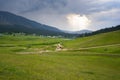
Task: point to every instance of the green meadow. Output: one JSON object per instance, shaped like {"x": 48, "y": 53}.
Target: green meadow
{"x": 36, "y": 58}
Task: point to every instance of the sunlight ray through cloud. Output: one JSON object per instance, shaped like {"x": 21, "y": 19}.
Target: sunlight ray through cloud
{"x": 78, "y": 22}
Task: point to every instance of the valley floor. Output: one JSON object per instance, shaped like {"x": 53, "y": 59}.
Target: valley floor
{"x": 35, "y": 58}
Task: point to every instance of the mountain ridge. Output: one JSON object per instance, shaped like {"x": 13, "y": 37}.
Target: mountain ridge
{"x": 9, "y": 22}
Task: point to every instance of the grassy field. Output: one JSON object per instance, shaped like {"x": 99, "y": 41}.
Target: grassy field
{"x": 90, "y": 58}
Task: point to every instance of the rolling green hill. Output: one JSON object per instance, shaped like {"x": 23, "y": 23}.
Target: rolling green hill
{"x": 109, "y": 38}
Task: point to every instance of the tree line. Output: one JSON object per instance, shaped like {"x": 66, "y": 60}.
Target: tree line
{"x": 113, "y": 28}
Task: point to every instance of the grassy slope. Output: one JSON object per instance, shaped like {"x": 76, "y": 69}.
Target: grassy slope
{"x": 69, "y": 65}
{"x": 96, "y": 40}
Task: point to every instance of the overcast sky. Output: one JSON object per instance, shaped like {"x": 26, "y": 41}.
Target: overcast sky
{"x": 72, "y": 15}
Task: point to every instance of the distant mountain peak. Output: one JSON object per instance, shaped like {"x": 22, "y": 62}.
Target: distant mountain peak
{"x": 79, "y": 32}
{"x": 83, "y": 31}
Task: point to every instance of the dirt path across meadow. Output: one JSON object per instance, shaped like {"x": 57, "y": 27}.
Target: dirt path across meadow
{"x": 46, "y": 51}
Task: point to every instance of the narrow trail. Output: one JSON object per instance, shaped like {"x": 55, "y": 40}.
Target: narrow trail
{"x": 91, "y": 47}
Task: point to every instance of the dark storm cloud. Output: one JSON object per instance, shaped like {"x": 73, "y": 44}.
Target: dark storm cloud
{"x": 30, "y": 5}
{"x": 53, "y": 12}
{"x": 41, "y": 5}
{"x": 60, "y": 6}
